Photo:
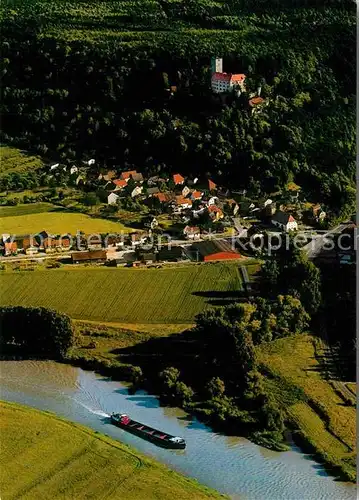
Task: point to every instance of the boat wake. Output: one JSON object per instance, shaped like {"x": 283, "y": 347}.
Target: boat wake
{"x": 100, "y": 413}
{"x": 92, "y": 410}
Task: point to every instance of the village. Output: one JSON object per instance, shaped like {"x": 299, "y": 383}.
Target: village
{"x": 186, "y": 218}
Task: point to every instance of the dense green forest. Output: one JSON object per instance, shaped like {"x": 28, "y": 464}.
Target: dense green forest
{"x": 91, "y": 79}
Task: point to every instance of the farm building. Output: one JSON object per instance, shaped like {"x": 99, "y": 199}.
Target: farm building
{"x": 95, "y": 256}
{"x": 147, "y": 256}
{"x": 170, "y": 253}
{"x": 214, "y": 250}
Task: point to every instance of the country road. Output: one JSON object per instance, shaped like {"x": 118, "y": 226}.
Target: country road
{"x": 314, "y": 247}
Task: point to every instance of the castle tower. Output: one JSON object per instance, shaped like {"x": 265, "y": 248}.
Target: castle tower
{"x": 217, "y": 65}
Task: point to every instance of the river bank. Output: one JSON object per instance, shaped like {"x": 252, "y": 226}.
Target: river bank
{"x": 58, "y": 458}
{"x": 108, "y": 350}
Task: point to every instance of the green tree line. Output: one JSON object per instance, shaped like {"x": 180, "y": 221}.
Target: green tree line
{"x": 35, "y": 331}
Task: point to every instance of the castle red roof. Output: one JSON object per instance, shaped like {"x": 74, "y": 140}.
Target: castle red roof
{"x": 229, "y": 77}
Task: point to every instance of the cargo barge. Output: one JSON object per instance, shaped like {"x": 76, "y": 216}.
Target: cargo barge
{"x": 149, "y": 433}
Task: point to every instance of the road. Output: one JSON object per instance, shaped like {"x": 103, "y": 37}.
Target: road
{"x": 314, "y": 247}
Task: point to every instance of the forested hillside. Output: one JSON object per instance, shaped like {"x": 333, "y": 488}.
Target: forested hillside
{"x": 91, "y": 79}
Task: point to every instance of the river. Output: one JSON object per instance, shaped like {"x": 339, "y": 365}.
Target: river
{"x": 229, "y": 464}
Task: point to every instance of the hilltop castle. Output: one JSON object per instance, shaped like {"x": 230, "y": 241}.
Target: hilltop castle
{"x": 225, "y": 82}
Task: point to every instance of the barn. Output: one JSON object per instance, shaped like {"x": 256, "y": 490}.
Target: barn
{"x": 214, "y": 250}
{"x": 94, "y": 256}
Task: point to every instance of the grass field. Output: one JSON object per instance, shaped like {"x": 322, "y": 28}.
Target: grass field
{"x": 13, "y": 160}
{"x": 107, "y": 341}
{"x": 25, "y": 219}
{"x": 311, "y": 401}
{"x": 43, "y": 456}
{"x": 168, "y": 295}
{"x": 27, "y": 209}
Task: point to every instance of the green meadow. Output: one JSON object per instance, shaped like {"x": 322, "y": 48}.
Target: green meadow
{"x": 42, "y": 456}
{"x": 168, "y": 295}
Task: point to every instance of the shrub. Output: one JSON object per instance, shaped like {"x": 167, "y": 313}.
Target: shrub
{"x": 136, "y": 375}
{"x": 184, "y": 393}
{"x": 169, "y": 377}
{"x": 215, "y": 388}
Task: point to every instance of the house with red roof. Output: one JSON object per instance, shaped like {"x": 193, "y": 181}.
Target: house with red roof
{"x": 120, "y": 184}
{"x": 257, "y": 103}
{"x": 182, "y": 203}
{"x": 285, "y": 221}
{"x": 215, "y": 212}
{"x": 128, "y": 174}
{"x": 163, "y": 197}
{"x": 211, "y": 185}
{"x": 227, "y": 82}
{"x": 214, "y": 249}
{"x": 10, "y": 247}
{"x": 178, "y": 179}
{"x": 196, "y": 195}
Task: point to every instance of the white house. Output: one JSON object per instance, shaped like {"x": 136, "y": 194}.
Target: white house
{"x": 136, "y": 191}
{"x": 90, "y": 162}
{"x": 185, "y": 191}
{"x": 73, "y": 170}
{"x": 226, "y": 82}
{"x": 53, "y": 167}
{"x": 212, "y": 201}
{"x": 112, "y": 199}
{"x": 284, "y": 221}
{"x": 267, "y": 202}
{"x": 192, "y": 232}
